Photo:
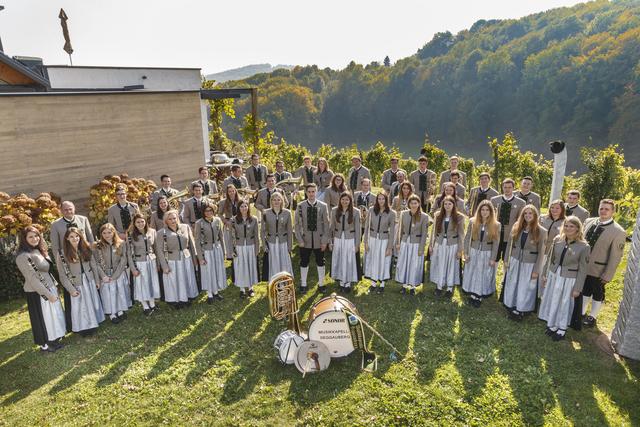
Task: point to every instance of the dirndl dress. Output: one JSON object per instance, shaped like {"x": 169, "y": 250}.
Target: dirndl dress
{"x": 520, "y": 291}
{"x": 279, "y": 258}
{"x": 47, "y": 318}
{"x": 146, "y": 286}
{"x": 343, "y": 261}
{"x": 445, "y": 266}
{"x": 377, "y": 265}
{"x": 213, "y": 273}
{"x": 410, "y": 265}
{"x": 86, "y": 308}
{"x": 479, "y": 277}
{"x": 556, "y": 307}
{"x": 116, "y": 295}
{"x": 180, "y": 284}
{"x": 245, "y": 266}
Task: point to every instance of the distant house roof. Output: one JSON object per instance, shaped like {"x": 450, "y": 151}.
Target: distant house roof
{"x": 15, "y": 73}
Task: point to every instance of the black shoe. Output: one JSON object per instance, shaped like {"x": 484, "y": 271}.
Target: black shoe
{"x": 372, "y": 289}
{"x": 380, "y": 290}
{"x": 438, "y": 292}
{"x": 515, "y": 316}
{"x": 242, "y": 295}
{"x": 218, "y": 297}
{"x": 557, "y": 337}
{"x": 251, "y": 293}
{"x": 412, "y": 292}
{"x": 210, "y": 300}
{"x": 347, "y": 289}
{"x": 302, "y": 290}
{"x": 152, "y": 310}
{"x": 187, "y": 304}
{"x": 49, "y": 349}
{"x": 322, "y": 289}
{"x": 403, "y": 291}
{"x": 57, "y": 345}
{"x": 448, "y": 294}
{"x": 115, "y": 320}
{"x": 589, "y": 321}
{"x": 549, "y": 332}
{"x": 146, "y": 311}
{"x": 475, "y": 303}
{"x": 123, "y": 315}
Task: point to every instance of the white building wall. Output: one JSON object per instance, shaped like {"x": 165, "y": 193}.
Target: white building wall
{"x": 159, "y": 79}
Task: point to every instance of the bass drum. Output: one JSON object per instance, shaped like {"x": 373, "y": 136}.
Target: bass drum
{"x": 312, "y": 357}
{"x": 286, "y": 345}
{"x": 328, "y": 324}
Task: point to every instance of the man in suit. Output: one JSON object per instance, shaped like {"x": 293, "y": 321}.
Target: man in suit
{"x": 289, "y": 189}
{"x": 69, "y": 219}
{"x": 363, "y": 200}
{"x": 395, "y": 187}
{"x": 165, "y": 190}
{"x": 312, "y": 234}
{"x": 356, "y": 174}
{"x": 606, "y": 238}
{"x": 424, "y": 182}
{"x": 526, "y": 194}
{"x": 445, "y": 176}
{"x": 508, "y": 208}
{"x": 256, "y": 174}
{"x": 236, "y": 179}
{"x": 391, "y": 175}
{"x": 572, "y": 207}
{"x": 455, "y": 180}
{"x": 306, "y": 171}
{"x": 263, "y": 197}
{"x": 209, "y": 187}
{"x": 193, "y": 208}
{"x": 121, "y": 213}
{"x": 477, "y": 194}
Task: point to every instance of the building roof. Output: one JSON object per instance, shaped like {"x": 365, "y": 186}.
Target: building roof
{"x": 16, "y": 73}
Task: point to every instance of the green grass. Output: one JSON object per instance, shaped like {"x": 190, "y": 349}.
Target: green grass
{"x": 216, "y": 365}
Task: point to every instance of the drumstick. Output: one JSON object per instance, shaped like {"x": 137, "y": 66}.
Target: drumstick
{"x": 306, "y": 365}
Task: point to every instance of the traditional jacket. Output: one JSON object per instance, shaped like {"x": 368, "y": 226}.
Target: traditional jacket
{"x": 477, "y": 195}
{"x": 256, "y": 176}
{"x": 209, "y": 187}
{"x": 351, "y": 230}
{"x": 245, "y": 233}
{"x": 482, "y": 243}
{"x": 445, "y": 176}
{"x": 381, "y": 226}
{"x": 121, "y": 216}
{"x": 193, "y": 210}
{"x": 532, "y": 253}
{"x": 530, "y": 198}
{"x": 355, "y": 177}
{"x": 36, "y": 272}
{"x": 141, "y": 249}
{"x": 312, "y": 224}
{"x": 424, "y": 184}
{"x": 111, "y": 262}
{"x": 416, "y": 232}
{"x": 170, "y": 244}
{"x": 60, "y": 226}
{"x": 240, "y": 182}
{"x": 263, "y": 198}
{"x": 389, "y": 177}
{"x": 206, "y": 234}
{"x": 453, "y": 236}
{"x": 277, "y": 225}
{"x": 570, "y": 259}
{"x": 553, "y": 228}
{"x": 323, "y": 179}
{"x": 507, "y": 212}
{"x": 607, "y": 247}
{"x": 578, "y": 211}
{"x": 307, "y": 174}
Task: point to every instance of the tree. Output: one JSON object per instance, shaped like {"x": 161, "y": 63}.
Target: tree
{"x": 606, "y": 177}
{"x": 253, "y": 134}
{"x": 219, "y": 108}
{"x": 387, "y": 61}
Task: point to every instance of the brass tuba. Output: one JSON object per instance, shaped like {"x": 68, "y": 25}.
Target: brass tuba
{"x": 174, "y": 201}
{"x": 295, "y": 181}
{"x": 282, "y": 300}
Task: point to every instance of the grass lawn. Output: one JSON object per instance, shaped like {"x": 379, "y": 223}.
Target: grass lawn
{"x": 215, "y": 364}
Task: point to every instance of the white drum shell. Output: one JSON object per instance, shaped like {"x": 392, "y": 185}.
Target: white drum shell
{"x": 332, "y": 329}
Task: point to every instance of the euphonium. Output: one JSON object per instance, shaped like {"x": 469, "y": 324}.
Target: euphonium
{"x": 247, "y": 192}
{"x": 178, "y": 197}
{"x": 295, "y": 181}
{"x": 282, "y": 300}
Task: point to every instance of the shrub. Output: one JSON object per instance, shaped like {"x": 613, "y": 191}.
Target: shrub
{"x": 102, "y": 195}
{"x": 606, "y": 175}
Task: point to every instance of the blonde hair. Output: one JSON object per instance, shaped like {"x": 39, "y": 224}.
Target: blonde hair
{"x": 521, "y": 224}
{"x": 278, "y": 196}
{"x": 492, "y": 225}
{"x": 101, "y": 243}
{"x": 572, "y": 219}
{"x": 167, "y": 214}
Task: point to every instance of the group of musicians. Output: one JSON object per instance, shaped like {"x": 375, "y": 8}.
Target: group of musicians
{"x": 557, "y": 264}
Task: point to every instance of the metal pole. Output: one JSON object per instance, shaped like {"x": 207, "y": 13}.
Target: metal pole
{"x": 70, "y": 60}
{"x": 254, "y": 117}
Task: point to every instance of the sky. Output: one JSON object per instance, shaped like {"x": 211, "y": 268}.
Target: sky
{"x": 216, "y": 36}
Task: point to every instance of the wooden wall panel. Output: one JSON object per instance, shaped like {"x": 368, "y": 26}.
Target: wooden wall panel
{"x": 67, "y": 143}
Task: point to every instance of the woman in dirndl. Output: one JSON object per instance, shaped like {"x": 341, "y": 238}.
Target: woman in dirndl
{"x": 322, "y": 178}
{"x": 277, "y": 238}
{"x": 446, "y": 247}
{"x": 379, "y": 234}
{"x": 552, "y": 222}
{"x": 210, "y": 240}
{"x": 246, "y": 246}
{"x": 43, "y": 302}
{"x": 563, "y": 277}
{"x": 480, "y": 251}
{"x": 448, "y": 190}
{"x": 345, "y": 233}
{"x": 110, "y": 254}
{"x": 143, "y": 265}
{"x": 335, "y": 190}
{"x": 525, "y": 254}
{"x": 157, "y": 216}
{"x": 176, "y": 251}
{"x": 227, "y": 210}
{"x": 80, "y": 277}
{"x": 410, "y": 245}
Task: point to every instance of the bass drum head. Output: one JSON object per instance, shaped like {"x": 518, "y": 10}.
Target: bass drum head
{"x": 312, "y": 357}
{"x": 331, "y": 303}
{"x": 332, "y": 329}
{"x": 286, "y": 345}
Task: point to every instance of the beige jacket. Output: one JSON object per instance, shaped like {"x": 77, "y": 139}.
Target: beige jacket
{"x": 532, "y": 253}
{"x": 481, "y": 244}
{"x": 38, "y": 279}
{"x": 607, "y": 252}
{"x": 574, "y": 262}
{"x": 60, "y": 226}
{"x": 445, "y": 176}
{"x": 413, "y": 232}
{"x": 276, "y": 226}
{"x": 305, "y": 174}
{"x": 229, "y": 181}
{"x": 192, "y": 210}
{"x": 387, "y": 176}
{"x": 362, "y": 174}
{"x": 305, "y": 237}
{"x": 578, "y": 211}
{"x": 109, "y": 262}
{"x": 113, "y": 215}
{"x": 516, "y": 206}
{"x": 381, "y": 226}
{"x": 161, "y": 192}
{"x": 250, "y": 174}
{"x": 430, "y": 184}
{"x": 209, "y": 187}
{"x": 553, "y": 229}
{"x": 245, "y": 233}
{"x": 155, "y": 222}
{"x": 530, "y": 199}
{"x": 323, "y": 180}
{"x": 454, "y": 236}
{"x": 141, "y": 250}
{"x": 476, "y": 195}
{"x": 339, "y": 226}
{"x": 332, "y": 197}
{"x": 206, "y": 234}
{"x": 262, "y": 200}
{"x": 169, "y": 244}
{"x": 437, "y": 203}
{"x": 73, "y": 279}
{"x": 460, "y": 189}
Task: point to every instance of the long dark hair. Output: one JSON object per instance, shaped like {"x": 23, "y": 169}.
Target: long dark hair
{"x": 239, "y": 218}
{"x": 160, "y": 213}
{"x": 83, "y": 253}
{"x": 442, "y": 213}
{"x": 376, "y": 206}
{"x": 226, "y": 207}
{"x": 339, "y": 211}
{"x": 24, "y": 246}
{"x": 133, "y": 230}
{"x": 342, "y": 187}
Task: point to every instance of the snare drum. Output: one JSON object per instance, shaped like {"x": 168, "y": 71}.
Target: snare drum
{"x": 286, "y": 344}
{"x": 328, "y": 324}
{"x": 311, "y": 357}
